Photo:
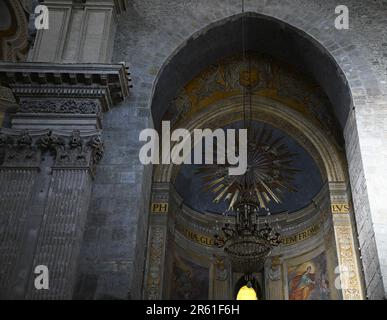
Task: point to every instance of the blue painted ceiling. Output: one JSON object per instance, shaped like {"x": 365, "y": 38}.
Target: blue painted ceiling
{"x": 308, "y": 181}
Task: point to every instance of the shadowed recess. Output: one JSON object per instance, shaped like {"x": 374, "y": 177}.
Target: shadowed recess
{"x": 263, "y": 35}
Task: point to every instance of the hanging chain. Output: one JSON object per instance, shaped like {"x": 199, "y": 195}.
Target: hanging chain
{"x": 244, "y": 60}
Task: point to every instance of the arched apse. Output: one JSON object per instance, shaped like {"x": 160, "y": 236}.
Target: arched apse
{"x": 152, "y": 39}
{"x": 266, "y": 36}
{"x": 263, "y": 34}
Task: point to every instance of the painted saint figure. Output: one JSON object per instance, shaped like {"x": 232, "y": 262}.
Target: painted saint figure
{"x": 302, "y": 285}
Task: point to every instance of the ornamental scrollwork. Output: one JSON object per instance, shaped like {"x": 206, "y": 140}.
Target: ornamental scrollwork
{"x": 59, "y": 106}
{"x": 154, "y": 269}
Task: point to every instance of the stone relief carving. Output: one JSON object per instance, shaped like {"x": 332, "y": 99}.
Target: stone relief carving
{"x": 221, "y": 272}
{"x": 154, "y": 268}
{"x": 59, "y": 106}
{"x": 347, "y": 259}
{"x": 275, "y": 269}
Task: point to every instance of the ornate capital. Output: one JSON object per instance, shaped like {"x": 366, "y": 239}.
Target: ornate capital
{"x": 19, "y": 150}
{"x": 70, "y": 150}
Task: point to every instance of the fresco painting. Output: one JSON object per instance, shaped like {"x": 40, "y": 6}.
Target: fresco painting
{"x": 189, "y": 281}
{"x": 309, "y": 280}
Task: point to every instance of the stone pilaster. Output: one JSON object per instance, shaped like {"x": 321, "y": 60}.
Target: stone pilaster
{"x": 274, "y": 279}
{"x": 157, "y": 243}
{"x": 18, "y": 173}
{"x": 220, "y": 273}
{"x": 48, "y": 162}
{"x": 65, "y": 211}
{"x": 80, "y": 31}
{"x": 347, "y": 255}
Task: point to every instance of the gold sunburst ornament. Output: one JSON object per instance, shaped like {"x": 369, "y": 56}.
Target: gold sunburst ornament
{"x": 269, "y": 173}
{"x": 250, "y": 239}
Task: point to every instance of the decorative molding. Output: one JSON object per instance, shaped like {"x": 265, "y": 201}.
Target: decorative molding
{"x": 349, "y": 273}
{"x": 107, "y": 83}
{"x": 154, "y": 270}
{"x": 70, "y": 106}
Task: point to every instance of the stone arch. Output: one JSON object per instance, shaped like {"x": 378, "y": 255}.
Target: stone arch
{"x": 311, "y": 137}
{"x": 314, "y": 141}
{"x": 349, "y": 87}
{"x": 268, "y": 35}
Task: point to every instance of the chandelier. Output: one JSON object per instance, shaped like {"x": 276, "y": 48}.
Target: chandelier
{"x": 247, "y": 243}
{"x": 250, "y": 239}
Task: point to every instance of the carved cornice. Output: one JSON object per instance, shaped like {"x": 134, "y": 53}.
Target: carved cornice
{"x": 108, "y": 83}
{"x": 70, "y": 150}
